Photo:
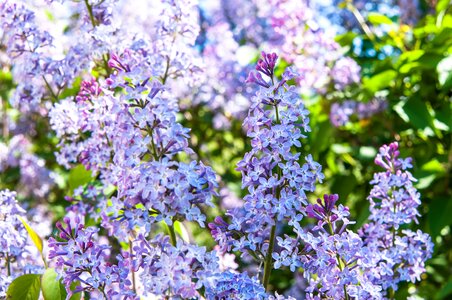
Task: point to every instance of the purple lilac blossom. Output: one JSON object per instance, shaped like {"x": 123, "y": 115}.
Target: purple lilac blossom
{"x": 393, "y": 254}
{"x": 41, "y": 70}
{"x": 179, "y": 270}
{"x": 331, "y": 252}
{"x": 226, "y": 96}
{"x": 276, "y": 182}
{"x": 267, "y": 24}
{"x": 132, "y": 136}
{"x": 78, "y": 257}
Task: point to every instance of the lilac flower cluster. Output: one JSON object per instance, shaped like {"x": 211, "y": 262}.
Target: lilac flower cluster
{"x": 342, "y": 113}
{"x": 393, "y": 254}
{"x": 276, "y": 182}
{"x": 181, "y": 269}
{"x": 24, "y": 42}
{"x": 331, "y": 252}
{"x": 16, "y": 255}
{"x": 80, "y": 258}
{"x": 38, "y": 72}
{"x": 132, "y": 137}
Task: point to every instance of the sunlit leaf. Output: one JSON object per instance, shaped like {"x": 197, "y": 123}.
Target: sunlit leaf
{"x": 25, "y": 287}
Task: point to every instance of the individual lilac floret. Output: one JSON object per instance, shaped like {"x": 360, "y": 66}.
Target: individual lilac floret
{"x": 79, "y": 257}
{"x": 392, "y": 254}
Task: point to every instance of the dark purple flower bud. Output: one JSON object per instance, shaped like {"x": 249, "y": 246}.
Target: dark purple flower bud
{"x": 256, "y": 77}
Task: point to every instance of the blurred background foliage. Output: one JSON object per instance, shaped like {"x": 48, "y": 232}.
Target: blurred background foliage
{"x": 409, "y": 65}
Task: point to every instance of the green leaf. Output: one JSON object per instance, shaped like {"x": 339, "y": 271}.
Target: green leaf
{"x": 442, "y": 5}
{"x": 367, "y": 152}
{"x": 418, "y": 113}
{"x": 322, "y": 134}
{"x": 408, "y": 67}
{"x": 430, "y": 60}
{"x": 52, "y": 288}
{"x": 379, "y": 81}
{"x": 377, "y": 19}
{"x": 78, "y": 176}
{"x": 439, "y": 215}
{"x": 344, "y": 185}
{"x": 445, "y": 291}
{"x": 341, "y": 148}
{"x": 346, "y": 39}
{"x": 181, "y": 231}
{"x": 33, "y": 235}
{"x": 444, "y": 69}
{"x": 25, "y": 287}
{"x": 433, "y": 166}
{"x": 411, "y": 55}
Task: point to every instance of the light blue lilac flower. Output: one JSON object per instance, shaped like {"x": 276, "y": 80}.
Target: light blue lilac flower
{"x": 392, "y": 254}
{"x": 276, "y": 182}
{"x": 179, "y": 271}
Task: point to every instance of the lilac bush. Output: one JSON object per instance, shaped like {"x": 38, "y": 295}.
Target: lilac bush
{"x": 116, "y": 98}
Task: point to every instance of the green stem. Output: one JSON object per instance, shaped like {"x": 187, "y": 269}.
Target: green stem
{"x": 44, "y": 260}
{"x": 165, "y": 76}
{"x": 8, "y": 265}
{"x": 268, "y": 264}
{"x": 268, "y": 259}
{"x": 172, "y": 234}
{"x": 361, "y": 21}
{"x": 339, "y": 262}
{"x": 106, "y": 58}
{"x": 90, "y": 12}
{"x": 131, "y": 269}
{"x": 5, "y": 118}
{"x": 391, "y": 293}
{"x": 55, "y": 97}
